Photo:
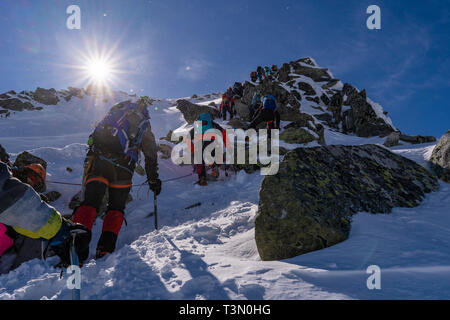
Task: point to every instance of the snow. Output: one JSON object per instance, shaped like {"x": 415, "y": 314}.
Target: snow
{"x": 209, "y": 251}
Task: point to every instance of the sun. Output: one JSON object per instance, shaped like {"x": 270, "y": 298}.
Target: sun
{"x": 99, "y": 70}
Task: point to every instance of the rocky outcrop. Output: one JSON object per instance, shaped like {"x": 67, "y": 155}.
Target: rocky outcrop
{"x": 191, "y": 111}
{"x": 16, "y": 104}
{"x": 303, "y": 130}
{"x": 440, "y": 158}
{"x": 26, "y": 158}
{"x": 47, "y": 97}
{"x": 309, "y": 203}
{"x": 392, "y": 139}
{"x": 417, "y": 139}
{"x": 361, "y": 118}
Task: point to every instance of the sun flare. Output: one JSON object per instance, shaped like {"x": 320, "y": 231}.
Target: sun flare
{"x": 99, "y": 70}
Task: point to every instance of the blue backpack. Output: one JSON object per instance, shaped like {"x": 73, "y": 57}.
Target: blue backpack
{"x": 203, "y": 124}
{"x": 269, "y": 102}
{"x": 128, "y": 124}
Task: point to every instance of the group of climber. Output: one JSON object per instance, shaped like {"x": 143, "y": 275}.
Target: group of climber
{"x": 229, "y": 98}
{"x": 263, "y": 73}
{"x": 114, "y": 150}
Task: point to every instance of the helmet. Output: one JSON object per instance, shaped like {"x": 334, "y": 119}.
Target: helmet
{"x": 36, "y": 173}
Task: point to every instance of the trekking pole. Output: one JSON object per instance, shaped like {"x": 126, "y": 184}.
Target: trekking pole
{"x": 76, "y": 293}
{"x": 155, "y": 207}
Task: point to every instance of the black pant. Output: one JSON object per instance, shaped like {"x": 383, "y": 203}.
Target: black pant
{"x": 105, "y": 176}
{"x": 271, "y": 117}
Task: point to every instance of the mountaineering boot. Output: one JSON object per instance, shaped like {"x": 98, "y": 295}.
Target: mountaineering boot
{"x": 111, "y": 227}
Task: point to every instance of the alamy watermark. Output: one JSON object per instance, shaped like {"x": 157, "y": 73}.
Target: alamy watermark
{"x": 74, "y": 20}
{"x": 374, "y": 21}
{"x": 74, "y": 280}
{"x": 374, "y": 281}
{"x": 222, "y": 150}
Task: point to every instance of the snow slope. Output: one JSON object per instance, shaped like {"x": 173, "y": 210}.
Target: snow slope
{"x": 209, "y": 252}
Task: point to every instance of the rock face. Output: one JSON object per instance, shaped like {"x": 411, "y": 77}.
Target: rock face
{"x": 15, "y": 104}
{"x": 47, "y": 97}
{"x": 417, "y": 139}
{"x": 440, "y": 159}
{"x": 361, "y": 118}
{"x": 308, "y": 205}
{"x": 4, "y": 156}
{"x": 191, "y": 111}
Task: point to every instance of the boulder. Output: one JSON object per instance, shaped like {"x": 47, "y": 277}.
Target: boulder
{"x": 191, "y": 111}
{"x": 47, "y": 97}
{"x": 440, "y": 158}
{"x": 392, "y": 139}
{"x": 309, "y": 203}
{"x": 26, "y": 158}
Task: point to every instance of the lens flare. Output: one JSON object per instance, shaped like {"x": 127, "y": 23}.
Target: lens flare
{"x": 99, "y": 71}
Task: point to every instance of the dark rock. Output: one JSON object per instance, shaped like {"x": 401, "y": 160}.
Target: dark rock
{"x": 440, "y": 158}
{"x": 47, "y": 97}
{"x": 335, "y": 106}
{"x": 4, "y": 156}
{"x": 319, "y": 189}
{"x": 165, "y": 150}
{"x": 316, "y": 74}
{"x": 16, "y": 104}
{"x": 26, "y": 158}
{"x": 392, "y": 140}
{"x": 417, "y": 139}
{"x": 191, "y": 111}
{"x": 307, "y": 88}
{"x": 325, "y": 99}
{"x": 69, "y": 169}
{"x": 51, "y": 196}
{"x": 315, "y": 99}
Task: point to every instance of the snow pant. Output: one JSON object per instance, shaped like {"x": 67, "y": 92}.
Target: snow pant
{"x": 271, "y": 117}
{"x": 105, "y": 175}
{"x": 225, "y": 109}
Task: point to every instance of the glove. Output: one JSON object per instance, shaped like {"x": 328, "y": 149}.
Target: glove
{"x": 62, "y": 241}
{"x": 155, "y": 186}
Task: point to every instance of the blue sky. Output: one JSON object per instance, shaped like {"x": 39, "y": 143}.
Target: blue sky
{"x": 175, "y": 48}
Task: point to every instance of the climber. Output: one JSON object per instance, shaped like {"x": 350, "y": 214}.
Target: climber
{"x": 267, "y": 112}
{"x": 260, "y": 73}
{"x": 201, "y": 131}
{"x": 22, "y": 211}
{"x": 274, "y": 69}
{"x": 253, "y": 76}
{"x": 238, "y": 90}
{"x": 225, "y": 106}
{"x": 267, "y": 72}
{"x": 116, "y": 144}
{"x": 254, "y": 106}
